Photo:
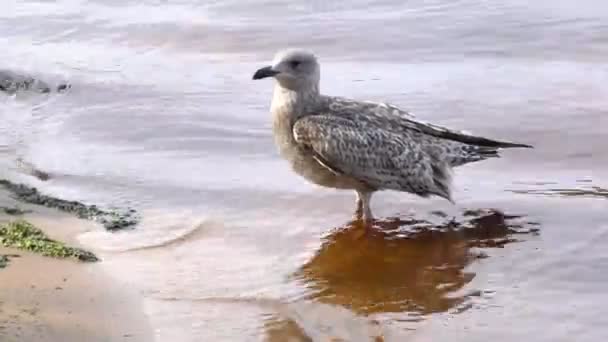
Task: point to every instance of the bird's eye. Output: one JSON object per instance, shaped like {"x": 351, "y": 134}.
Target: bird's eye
{"x": 294, "y": 64}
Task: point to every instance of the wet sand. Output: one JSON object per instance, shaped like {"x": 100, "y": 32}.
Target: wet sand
{"x": 58, "y": 300}
{"x": 46, "y": 299}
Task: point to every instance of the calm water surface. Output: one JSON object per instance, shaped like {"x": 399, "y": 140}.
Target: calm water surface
{"x": 163, "y": 116}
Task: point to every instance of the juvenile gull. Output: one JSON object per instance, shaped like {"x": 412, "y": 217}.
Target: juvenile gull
{"x": 364, "y": 146}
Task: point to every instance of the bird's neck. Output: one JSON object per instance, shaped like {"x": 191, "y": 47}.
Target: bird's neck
{"x": 286, "y": 108}
{"x": 293, "y": 104}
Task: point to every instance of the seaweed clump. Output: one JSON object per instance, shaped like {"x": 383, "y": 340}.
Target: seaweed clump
{"x": 23, "y": 235}
{"x": 112, "y": 220}
{"x": 12, "y": 82}
{"x": 14, "y": 211}
{"x": 3, "y": 260}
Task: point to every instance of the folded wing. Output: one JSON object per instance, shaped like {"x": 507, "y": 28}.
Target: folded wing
{"x": 381, "y": 158}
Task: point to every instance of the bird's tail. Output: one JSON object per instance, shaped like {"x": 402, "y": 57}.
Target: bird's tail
{"x": 506, "y": 144}
{"x": 490, "y": 148}
{"x": 470, "y": 153}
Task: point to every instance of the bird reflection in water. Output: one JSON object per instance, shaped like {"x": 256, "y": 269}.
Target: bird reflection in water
{"x": 405, "y": 265}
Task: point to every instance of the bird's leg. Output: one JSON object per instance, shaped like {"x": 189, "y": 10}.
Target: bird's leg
{"x": 364, "y": 210}
{"x": 359, "y": 211}
{"x": 367, "y": 209}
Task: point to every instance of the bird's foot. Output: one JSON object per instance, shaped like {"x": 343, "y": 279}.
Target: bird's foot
{"x": 364, "y": 223}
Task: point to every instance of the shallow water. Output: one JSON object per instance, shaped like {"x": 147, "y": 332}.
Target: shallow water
{"x": 163, "y": 116}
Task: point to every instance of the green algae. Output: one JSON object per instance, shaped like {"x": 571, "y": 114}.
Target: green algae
{"x": 23, "y": 235}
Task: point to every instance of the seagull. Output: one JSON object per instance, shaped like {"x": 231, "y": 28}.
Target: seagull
{"x": 364, "y": 146}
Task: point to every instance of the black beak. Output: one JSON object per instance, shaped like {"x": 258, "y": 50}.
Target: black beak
{"x": 264, "y": 72}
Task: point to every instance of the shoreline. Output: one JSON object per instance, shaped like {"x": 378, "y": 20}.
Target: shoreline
{"x": 63, "y": 300}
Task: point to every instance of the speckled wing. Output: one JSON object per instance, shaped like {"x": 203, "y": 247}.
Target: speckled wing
{"x": 380, "y": 158}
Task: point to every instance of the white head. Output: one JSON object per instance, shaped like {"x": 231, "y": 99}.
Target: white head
{"x": 294, "y": 69}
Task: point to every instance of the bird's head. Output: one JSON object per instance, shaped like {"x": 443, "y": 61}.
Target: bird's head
{"x": 294, "y": 69}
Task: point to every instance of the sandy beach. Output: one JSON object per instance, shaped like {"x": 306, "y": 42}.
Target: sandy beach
{"x": 47, "y": 299}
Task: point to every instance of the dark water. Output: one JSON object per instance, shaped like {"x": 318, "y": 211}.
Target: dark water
{"x": 163, "y": 116}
